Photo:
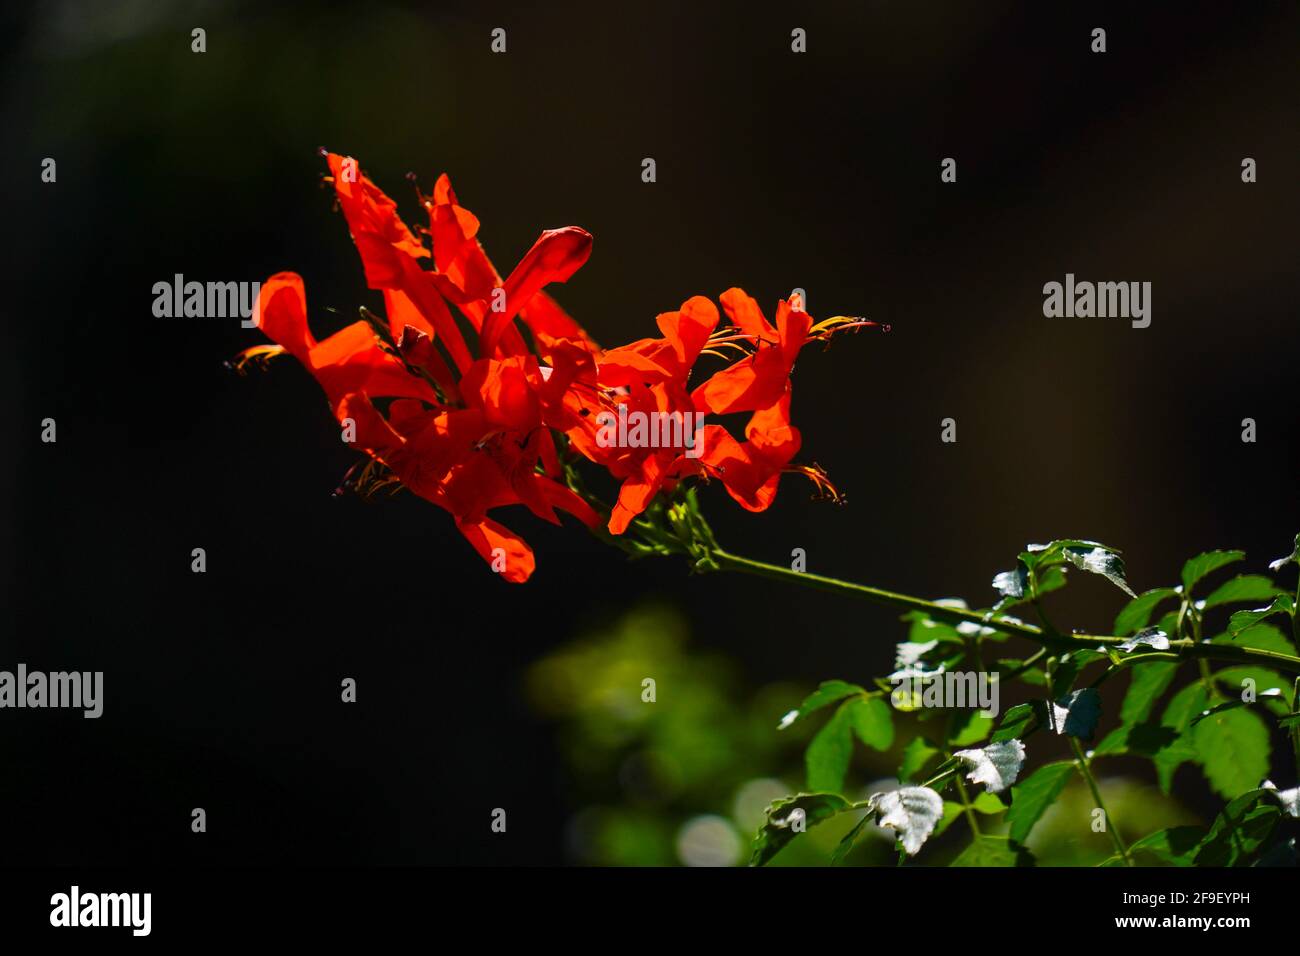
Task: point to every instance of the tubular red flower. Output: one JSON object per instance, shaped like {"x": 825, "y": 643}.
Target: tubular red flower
{"x": 473, "y": 426}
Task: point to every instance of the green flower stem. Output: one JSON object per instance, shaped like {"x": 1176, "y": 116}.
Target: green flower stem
{"x": 1188, "y": 648}
{"x": 1081, "y": 761}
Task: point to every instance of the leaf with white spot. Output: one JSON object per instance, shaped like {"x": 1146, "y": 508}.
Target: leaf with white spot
{"x": 1293, "y": 556}
{"x": 1101, "y": 561}
{"x": 1290, "y": 799}
{"x": 1077, "y": 713}
{"x": 996, "y": 766}
{"x": 911, "y": 812}
{"x": 1152, "y": 637}
{"x": 827, "y": 693}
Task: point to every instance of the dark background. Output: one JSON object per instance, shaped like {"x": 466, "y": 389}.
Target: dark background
{"x": 775, "y": 170}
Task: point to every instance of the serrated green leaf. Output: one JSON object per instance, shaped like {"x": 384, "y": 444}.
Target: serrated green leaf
{"x": 782, "y": 825}
{"x": 872, "y": 721}
{"x": 1148, "y": 683}
{"x": 1137, "y": 612}
{"x": 1033, "y": 795}
{"x": 828, "y": 692}
{"x": 1233, "y": 747}
{"x": 994, "y": 851}
{"x": 1177, "y": 718}
{"x": 1207, "y": 563}
{"x": 1244, "y": 620}
{"x": 1244, "y": 587}
{"x": 916, "y": 755}
{"x": 1175, "y": 845}
{"x": 1240, "y": 830}
{"x": 827, "y": 757}
{"x": 1261, "y": 637}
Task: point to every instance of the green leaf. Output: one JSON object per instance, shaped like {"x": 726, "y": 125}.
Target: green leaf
{"x": 1265, "y": 680}
{"x": 1100, "y": 560}
{"x": 827, "y": 757}
{"x": 916, "y": 755}
{"x": 1077, "y": 713}
{"x": 1176, "y": 845}
{"x": 1207, "y": 563}
{"x": 850, "y": 838}
{"x": 1243, "y": 620}
{"x": 1218, "y": 709}
{"x": 1177, "y": 718}
{"x": 1063, "y": 675}
{"x": 988, "y": 803}
{"x": 1137, "y": 612}
{"x": 1146, "y": 739}
{"x": 952, "y": 811}
{"x": 1244, "y": 587}
{"x": 1293, "y": 556}
{"x": 1261, "y": 637}
{"x": 1031, "y": 676}
{"x": 828, "y": 692}
{"x": 1234, "y": 749}
{"x": 1021, "y": 721}
{"x": 968, "y": 727}
{"x": 783, "y": 825}
{"x": 1149, "y": 682}
{"x": 925, "y": 628}
{"x": 872, "y": 721}
{"x": 1035, "y": 794}
{"x": 1240, "y": 830}
{"x": 994, "y": 851}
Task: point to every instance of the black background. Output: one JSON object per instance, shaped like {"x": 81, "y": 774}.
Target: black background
{"x": 775, "y": 170}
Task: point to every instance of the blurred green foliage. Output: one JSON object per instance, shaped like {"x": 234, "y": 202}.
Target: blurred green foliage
{"x": 685, "y": 778}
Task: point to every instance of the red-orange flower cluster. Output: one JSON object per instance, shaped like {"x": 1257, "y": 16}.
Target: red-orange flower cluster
{"x": 477, "y": 425}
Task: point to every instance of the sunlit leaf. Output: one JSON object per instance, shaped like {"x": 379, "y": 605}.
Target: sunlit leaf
{"x": 1035, "y": 794}
{"x": 1243, "y": 620}
{"x": 1207, "y": 563}
{"x": 916, "y": 755}
{"x": 789, "y": 817}
{"x": 872, "y": 721}
{"x": 827, "y": 693}
{"x": 1234, "y": 748}
{"x": 1077, "y": 713}
{"x": 827, "y": 757}
{"x": 994, "y": 851}
{"x": 995, "y": 766}
{"x": 1137, "y": 613}
{"x": 1021, "y": 720}
{"x": 1294, "y": 556}
{"x": 1148, "y": 683}
{"x": 1244, "y": 587}
{"x": 1099, "y": 560}
{"x": 912, "y": 812}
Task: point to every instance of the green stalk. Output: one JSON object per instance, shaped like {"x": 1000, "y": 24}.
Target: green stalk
{"x": 1188, "y": 648}
{"x": 1081, "y": 762}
